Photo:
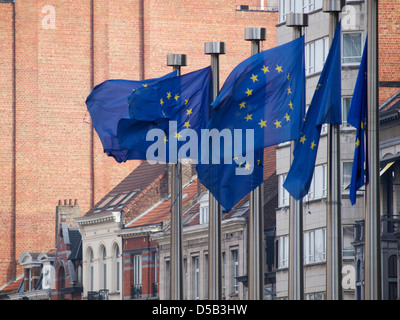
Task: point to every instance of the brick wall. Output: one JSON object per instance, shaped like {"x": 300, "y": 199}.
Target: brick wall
{"x": 63, "y": 49}
{"x": 389, "y": 53}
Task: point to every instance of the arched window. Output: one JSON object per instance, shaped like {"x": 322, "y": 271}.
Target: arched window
{"x": 116, "y": 263}
{"x": 104, "y": 267}
{"x": 91, "y": 269}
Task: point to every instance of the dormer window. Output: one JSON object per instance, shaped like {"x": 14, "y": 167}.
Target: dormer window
{"x": 204, "y": 215}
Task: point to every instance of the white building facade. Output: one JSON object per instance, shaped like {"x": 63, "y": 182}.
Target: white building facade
{"x": 314, "y": 204}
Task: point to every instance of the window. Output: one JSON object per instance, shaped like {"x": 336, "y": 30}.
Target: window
{"x": 235, "y": 271}
{"x": 91, "y": 269}
{"x": 315, "y": 246}
{"x": 104, "y": 267}
{"x": 316, "y": 53}
{"x": 223, "y": 273}
{"x": 137, "y": 271}
{"x": 348, "y": 238}
{"x": 346, "y": 102}
{"x": 283, "y": 195}
{"x": 204, "y": 215}
{"x": 196, "y": 277}
{"x": 303, "y": 6}
{"x": 116, "y": 263}
{"x": 283, "y": 252}
{"x": 346, "y": 176}
{"x": 318, "y": 186}
{"x": 352, "y": 48}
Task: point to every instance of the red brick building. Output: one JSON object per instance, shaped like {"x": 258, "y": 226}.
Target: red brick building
{"x": 52, "y": 55}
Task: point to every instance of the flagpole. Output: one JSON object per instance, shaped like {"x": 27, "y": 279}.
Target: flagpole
{"x": 214, "y": 225}
{"x": 333, "y": 218}
{"x": 373, "y": 290}
{"x": 256, "y": 221}
{"x": 296, "y": 270}
{"x": 176, "y": 263}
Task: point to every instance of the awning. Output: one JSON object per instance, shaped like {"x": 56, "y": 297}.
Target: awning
{"x": 385, "y": 168}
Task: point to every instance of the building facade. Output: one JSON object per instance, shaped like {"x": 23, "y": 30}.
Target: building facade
{"x": 53, "y": 54}
{"x": 354, "y": 32}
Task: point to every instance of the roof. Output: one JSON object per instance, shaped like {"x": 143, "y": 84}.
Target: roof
{"x": 12, "y": 286}
{"x": 75, "y": 239}
{"x": 126, "y": 191}
{"x": 390, "y": 109}
{"x": 160, "y": 213}
{"x": 162, "y": 210}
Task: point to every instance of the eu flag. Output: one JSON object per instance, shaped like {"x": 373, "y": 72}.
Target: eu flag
{"x": 107, "y": 104}
{"x": 325, "y": 107}
{"x": 357, "y": 117}
{"x": 260, "y": 104}
{"x": 179, "y": 107}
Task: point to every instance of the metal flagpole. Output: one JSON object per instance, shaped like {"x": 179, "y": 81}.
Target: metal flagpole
{"x": 256, "y": 222}
{"x": 373, "y": 290}
{"x": 214, "y": 238}
{"x": 333, "y": 217}
{"x": 176, "y": 278}
{"x": 296, "y": 272}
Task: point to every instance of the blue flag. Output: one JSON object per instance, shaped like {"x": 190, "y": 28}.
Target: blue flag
{"x": 107, "y": 104}
{"x": 260, "y": 104}
{"x": 325, "y": 107}
{"x": 178, "y": 107}
{"x": 357, "y": 117}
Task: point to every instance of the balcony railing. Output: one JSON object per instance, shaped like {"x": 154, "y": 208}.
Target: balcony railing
{"x": 136, "y": 290}
{"x": 389, "y": 223}
{"x": 98, "y": 295}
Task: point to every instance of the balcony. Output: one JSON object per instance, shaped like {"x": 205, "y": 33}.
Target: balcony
{"x": 98, "y": 295}
{"x": 389, "y": 224}
{"x": 136, "y": 291}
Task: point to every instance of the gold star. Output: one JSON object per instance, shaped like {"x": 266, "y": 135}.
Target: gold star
{"x": 319, "y": 85}
{"x": 242, "y": 105}
{"x": 289, "y": 90}
{"x": 165, "y": 139}
{"x": 189, "y": 112}
{"x": 357, "y": 143}
{"x": 240, "y": 164}
{"x": 258, "y": 162}
{"x": 186, "y": 102}
{"x": 161, "y": 101}
{"x": 249, "y": 92}
{"x": 263, "y": 123}
{"x": 176, "y": 97}
{"x": 277, "y": 124}
{"x": 362, "y": 125}
{"x": 169, "y": 95}
{"x": 287, "y": 117}
{"x": 265, "y": 69}
{"x": 235, "y": 158}
{"x": 279, "y": 69}
{"x": 303, "y": 139}
{"x": 145, "y": 85}
{"x": 291, "y": 105}
{"x": 254, "y": 78}
{"x": 248, "y": 117}
{"x": 288, "y": 76}
{"x": 313, "y": 145}
{"x": 187, "y": 124}
{"x": 163, "y": 114}
{"x": 178, "y": 135}
{"x": 247, "y": 166}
